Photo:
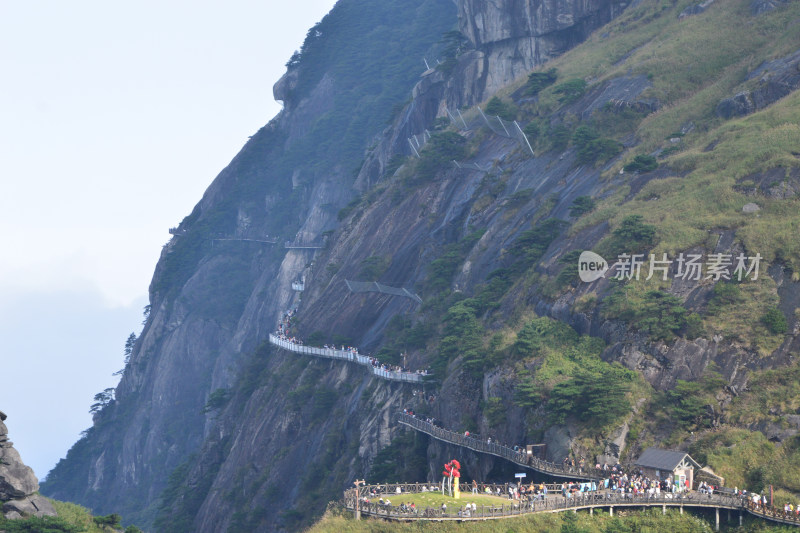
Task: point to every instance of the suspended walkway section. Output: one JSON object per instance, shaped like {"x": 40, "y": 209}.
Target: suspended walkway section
{"x": 374, "y": 286}
{"x": 347, "y": 355}
{"x": 520, "y": 458}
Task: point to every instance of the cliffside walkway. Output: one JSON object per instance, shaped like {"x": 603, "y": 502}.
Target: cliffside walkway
{"x": 232, "y": 239}
{"x": 303, "y": 245}
{"x": 552, "y": 504}
{"x": 345, "y": 355}
{"x": 520, "y": 458}
{"x": 374, "y": 286}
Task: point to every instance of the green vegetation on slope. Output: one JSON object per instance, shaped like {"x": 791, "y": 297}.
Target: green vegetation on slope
{"x": 701, "y": 161}
{"x": 71, "y": 518}
{"x": 700, "y": 193}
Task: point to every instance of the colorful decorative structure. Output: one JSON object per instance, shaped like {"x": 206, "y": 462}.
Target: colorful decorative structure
{"x": 452, "y": 471}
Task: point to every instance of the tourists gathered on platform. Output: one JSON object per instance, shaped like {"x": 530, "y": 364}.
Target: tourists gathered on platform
{"x": 622, "y": 487}
{"x": 636, "y": 485}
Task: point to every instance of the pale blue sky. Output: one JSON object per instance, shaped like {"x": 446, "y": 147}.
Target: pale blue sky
{"x": 114, "y": 118}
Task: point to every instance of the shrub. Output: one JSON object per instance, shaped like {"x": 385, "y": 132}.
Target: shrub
{"x": 601, "y": 149}
{"x": 531, "y": 131}
{"x": 691, "y": 402}
{"x": 694, "y": 326}
{"x": 539, "y": 80}
{"x": 395, "y": 162}
{"x": 454, "y": 42}
{"x": 497, "y": 107}
{"x": 584, "y": 135}
{"x": 441, "y": 149}
{"x": 570, "y": 90}
{"x": 598, "y": 396}
{"x": 723, "y": 295}
{"x": 632, "y": 236}
{"x": 569, "y": 274}
{"x": 462, "y": 335}
{"x": 442, "y": 269}
{"x": 642, "y": 163}
{"x": 519, "y": 198}
{"x": 662, "y": 315}
{"x": 373, "y": 267}
{"x": 495, "y": 412}
{"x": 531, "y": 244}
{"x": 559, "y": 137}
{"x": 775, "y": 321}
{"x": 581, "y": 205}
{"x": 349, "y": 208}
{"x": 217, "y": 400}
{"x": 47, "y": 524}
{"x": 112, "y": 520}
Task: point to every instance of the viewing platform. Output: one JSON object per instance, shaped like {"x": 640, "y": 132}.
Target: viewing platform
{"x": 356, "y": 500}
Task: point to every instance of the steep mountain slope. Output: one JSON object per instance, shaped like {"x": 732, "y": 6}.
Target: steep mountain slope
{"x": 213, "y": 301}
{"x": 673, "y": 129}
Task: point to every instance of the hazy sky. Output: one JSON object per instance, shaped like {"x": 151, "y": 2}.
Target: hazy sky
{"x": 114, "y": 118}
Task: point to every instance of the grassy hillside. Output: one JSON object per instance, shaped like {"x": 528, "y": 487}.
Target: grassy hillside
{"x": 677, "y": 176}
{"x": 71, "y": 518}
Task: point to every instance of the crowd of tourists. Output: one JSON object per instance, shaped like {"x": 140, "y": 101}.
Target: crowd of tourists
{"x": 283, "y": 328}
{"x": 619, "y": 484}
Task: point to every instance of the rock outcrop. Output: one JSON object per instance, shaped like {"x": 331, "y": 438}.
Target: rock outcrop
{"x": 18, "y": 484}
{"x": 695, "y": 9}
{"x": 775, "y": 79}
{"x": 511, "y": 37}
{"x": 758, "y": 7}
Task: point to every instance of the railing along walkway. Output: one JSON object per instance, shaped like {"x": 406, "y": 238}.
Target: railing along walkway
{"x": 552, "y": 504}
{"x": 345, "y": 355}
{"x": 289, "y": 245}
{"x": 479, "y": 445}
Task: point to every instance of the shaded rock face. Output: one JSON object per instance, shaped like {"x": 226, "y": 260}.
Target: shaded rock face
{"x": 695, "y": 9}
{"x": 18, "y": 484}
{"x": 777, "y": 183}
{"x": 508, "y": 39}
{"x": 511, "y": 37}
{"x": 775, "y": 78}
{"x": 758, "y": 7}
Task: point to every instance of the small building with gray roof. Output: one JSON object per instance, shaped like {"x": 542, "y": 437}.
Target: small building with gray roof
{"x": 672, "y": 465}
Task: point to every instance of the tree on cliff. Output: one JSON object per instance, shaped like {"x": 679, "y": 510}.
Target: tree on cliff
{"x": 102, "y": 399}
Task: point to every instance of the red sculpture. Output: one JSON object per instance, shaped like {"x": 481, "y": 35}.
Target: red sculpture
{"x": 452, "y": 470}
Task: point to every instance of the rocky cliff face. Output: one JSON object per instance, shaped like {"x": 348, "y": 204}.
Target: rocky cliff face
{"x": 511, "y": 37}
{"x": 222, "y": 284}
{"x": 257, "y": 439}
{"x": 18, "y": 485}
